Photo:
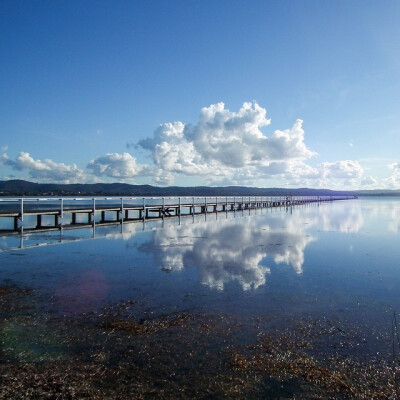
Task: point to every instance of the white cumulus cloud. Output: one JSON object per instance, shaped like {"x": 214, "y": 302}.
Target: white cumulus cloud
{"x": 114, "y": 165}
{"x": 347, "y": 169}
{"x": 394, "y": 166}
{"x": 3, "y": 159}
{"x": 393, "y": 181}
{"x": 224, "y": 141}
{"x": 369, "y": 181}
{"x": 46, "y": 170}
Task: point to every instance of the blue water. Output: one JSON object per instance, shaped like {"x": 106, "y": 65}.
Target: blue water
{"x": 339, "y": 259}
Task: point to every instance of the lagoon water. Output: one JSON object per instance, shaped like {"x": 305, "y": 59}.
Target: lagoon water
{"x": 270, "y": 269}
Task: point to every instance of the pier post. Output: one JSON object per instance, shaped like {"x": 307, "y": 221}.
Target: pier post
{"x": 205, "y": 205}
{"x": 59, "y": 221}
{"x": 21, "y": 214}
{"x": 163, "y": 208}
{"x": 144, "y": 209}
{"x": 193, "y": 210}
{"x": 122, "y": 210}
{"x": 93, "y": 213}
{"x": 179, "y": 209}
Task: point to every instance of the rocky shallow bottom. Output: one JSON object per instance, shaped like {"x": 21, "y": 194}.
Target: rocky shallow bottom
{"x": 129, "y": 351}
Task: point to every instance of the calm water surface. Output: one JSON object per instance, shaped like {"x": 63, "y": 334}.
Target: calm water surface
{"x": 338, "y": 262}
{"x": 342, "y": 256}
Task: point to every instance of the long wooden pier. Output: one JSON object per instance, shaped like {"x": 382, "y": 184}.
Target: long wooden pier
{"x": 43, "y": 214}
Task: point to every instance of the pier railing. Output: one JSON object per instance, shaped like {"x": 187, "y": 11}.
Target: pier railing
{"x": 51, "y": 213}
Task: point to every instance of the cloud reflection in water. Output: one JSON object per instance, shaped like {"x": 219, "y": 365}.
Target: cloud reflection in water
{"x": 241, "y": 249}
{"x": 233, "y": 249}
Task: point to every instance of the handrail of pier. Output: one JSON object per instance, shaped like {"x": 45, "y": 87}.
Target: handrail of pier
{"x": 250, "y": 198}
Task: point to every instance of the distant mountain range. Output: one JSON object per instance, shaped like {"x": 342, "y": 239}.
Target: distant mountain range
{"x": 26, "y": 188}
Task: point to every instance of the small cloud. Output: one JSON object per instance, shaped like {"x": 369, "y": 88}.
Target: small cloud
{"x": 99, "y": 132}
{"x": 3, "y": 159}
{"x": 351, "y": 144}
{"x": 394, "y": 166}
{"x": 46, "y": 170}
{"x": 4, "y": 148}
{"x": 393, "y": 181}
{"x": 342, "y": 169}
{"x": 115, "y": 165}
{"x": 369, "y": 181}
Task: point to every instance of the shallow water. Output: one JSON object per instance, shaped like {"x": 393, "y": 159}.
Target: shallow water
{"x": 301, "y": 260}
{"x": 334, "y": 262}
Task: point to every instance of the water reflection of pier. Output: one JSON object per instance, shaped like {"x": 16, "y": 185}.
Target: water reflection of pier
{"x": 49, "y": 214}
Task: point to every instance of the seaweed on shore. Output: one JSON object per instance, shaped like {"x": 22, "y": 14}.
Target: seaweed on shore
{"x": 288, "y": 355}
{"x": 129, "y": 351}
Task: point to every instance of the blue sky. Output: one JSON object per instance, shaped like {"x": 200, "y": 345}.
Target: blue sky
{"x": 259, "y": 93}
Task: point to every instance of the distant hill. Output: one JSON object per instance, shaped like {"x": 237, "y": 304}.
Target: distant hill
{"x": 25, "y": 188}
{"x": 379, "y": 192}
